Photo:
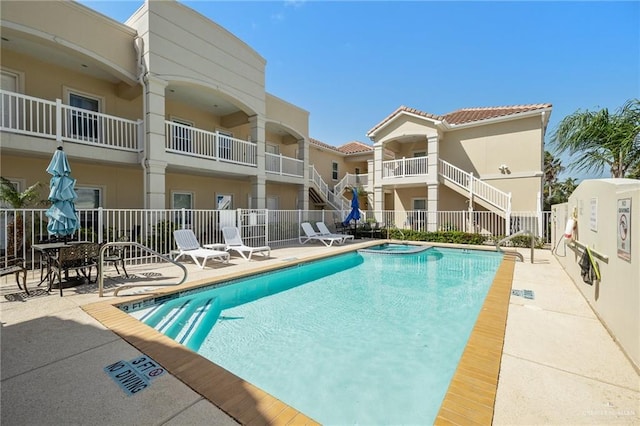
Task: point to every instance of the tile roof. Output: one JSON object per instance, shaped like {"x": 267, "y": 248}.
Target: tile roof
{"x": 353, "y": 147}
{"x": 468, "y": 115}
{"x": 464, "y": 115}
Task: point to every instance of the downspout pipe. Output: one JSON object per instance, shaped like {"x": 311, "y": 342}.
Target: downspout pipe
{"x": 138, "y": 44}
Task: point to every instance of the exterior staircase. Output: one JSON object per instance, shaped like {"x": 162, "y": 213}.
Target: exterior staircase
{"x": 476, "y": 190}
{"x": 461, "y": 181}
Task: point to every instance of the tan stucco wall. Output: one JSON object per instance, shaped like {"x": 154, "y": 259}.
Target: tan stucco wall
{"x": 121, "y": 186}
{"x": 322, "y": 161}
{"x": 72, "y": 27}
{"x": 286, "y": 195}
{"x": 47, "y": 81}
{"x": 205, "y": 188}
{"x": 280, "y": 111}
{"x": 616, "y": 298}
{"x": 183, "y": 45}
{"x": 406, "y": 126}
{"x": 482, "y": 149}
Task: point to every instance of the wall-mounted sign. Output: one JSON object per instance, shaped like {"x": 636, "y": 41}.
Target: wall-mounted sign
{"x": 624, "y": 229}
{"x": 593, "y": 216}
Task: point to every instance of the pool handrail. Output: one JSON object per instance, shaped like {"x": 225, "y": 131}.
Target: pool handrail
{"x": 105, "y": 246}
{"x": 515, "y": 253}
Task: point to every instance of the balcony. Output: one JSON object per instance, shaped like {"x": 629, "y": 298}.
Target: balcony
{"x": 284, "y": 166}
{"x": 27, "y": 115}
{"x": 405, "y": 168}
{"x": 187, "y": 140}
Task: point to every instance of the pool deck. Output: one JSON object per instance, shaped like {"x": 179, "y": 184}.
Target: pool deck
{"x": 558, "y": 364}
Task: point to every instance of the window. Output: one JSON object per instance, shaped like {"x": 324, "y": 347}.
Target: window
{"x": 83, "y": 124}
{"x": 419, "y": 203}
{"x": 224, "y": 144}
{"x": 182, "y": 136}
{"x": 334, "y": 170}
{"x": 224, "y": 202}
{"x": 182, "y": 200}
{"x": 88, "y": 198}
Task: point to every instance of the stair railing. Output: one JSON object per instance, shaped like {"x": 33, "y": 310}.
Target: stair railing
{"x": 477, "y": 187}
{"x": 127, "y": 286}
{"x": 510, "y": 237}
{"x": 334, "y": 201}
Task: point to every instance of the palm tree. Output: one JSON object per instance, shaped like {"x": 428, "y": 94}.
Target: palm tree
{"x": 601, "y": 139}
{"x": 10, "y": 195}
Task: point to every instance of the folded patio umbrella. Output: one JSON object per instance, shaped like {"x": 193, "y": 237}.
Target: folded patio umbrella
{"x": 63, "y": 218}
{"x": 354, "y": 214}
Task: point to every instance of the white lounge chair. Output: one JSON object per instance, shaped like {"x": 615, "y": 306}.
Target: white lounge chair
{"x": 325, "y": 232}
{"x": 234, "y": 242}
{"x": 188, "y": 245}
{"x": 312, "y": 235}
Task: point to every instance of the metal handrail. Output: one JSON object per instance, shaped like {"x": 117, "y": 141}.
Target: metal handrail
{"x": 519, "y": 255}
{"x": 127, "y": 286}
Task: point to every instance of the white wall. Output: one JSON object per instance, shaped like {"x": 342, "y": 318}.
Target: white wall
{"x": 616, "y": 297}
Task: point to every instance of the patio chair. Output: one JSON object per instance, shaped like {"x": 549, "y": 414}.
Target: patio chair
{"x": 14, "y": 265}
{"x": 188, "y": 245}
{"x": 116, "y": 255}
{"x": 325, "y": 232}
{"x": 312, "y": 235}
{"x": 80, "y": 257}
{"x": 234, "y": 242}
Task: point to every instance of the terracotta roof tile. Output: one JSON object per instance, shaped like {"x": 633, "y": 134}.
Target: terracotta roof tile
{"x": 355, "y": 147}
{"x": 468, "y": 115}
{"x": 323, "y": 145}
{"x": 465, "y": 115}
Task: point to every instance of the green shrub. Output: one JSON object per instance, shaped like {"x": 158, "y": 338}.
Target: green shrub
{"x": 452, "y": 237}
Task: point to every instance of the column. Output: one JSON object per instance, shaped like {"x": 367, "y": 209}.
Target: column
{"x": 432, "y": 207}
{"x": 258, "y": 184}
{"x": 432, "y": 158}
{"x": 303, "y": 193}
{"x": 154, "y": 149}
{"x": 378, "y": 190}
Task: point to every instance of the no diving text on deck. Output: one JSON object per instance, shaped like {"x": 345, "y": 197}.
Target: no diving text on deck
{"x": 135, "y": 375}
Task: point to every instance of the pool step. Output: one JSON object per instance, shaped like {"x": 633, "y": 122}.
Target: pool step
{"x": 186, "y": 321}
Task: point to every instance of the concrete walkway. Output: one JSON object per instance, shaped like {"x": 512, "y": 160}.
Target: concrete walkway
{"x": 560, "y": 366}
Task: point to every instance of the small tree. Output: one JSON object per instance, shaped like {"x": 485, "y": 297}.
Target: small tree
{"x": 600, "y": 139}
{"x": 10, "y": 195}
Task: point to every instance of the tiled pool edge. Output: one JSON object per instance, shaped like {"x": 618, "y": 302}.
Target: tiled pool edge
{"x": 469, "y": 399}
{"x": 471, "y": 396}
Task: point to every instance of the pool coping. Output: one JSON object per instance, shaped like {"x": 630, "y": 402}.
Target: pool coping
{"x": 470, "y": 397}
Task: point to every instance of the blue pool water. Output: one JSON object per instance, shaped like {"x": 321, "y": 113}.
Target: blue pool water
{"x": 367, "y": 339}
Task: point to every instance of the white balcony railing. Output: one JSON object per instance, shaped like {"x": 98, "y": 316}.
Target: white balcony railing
{"x": 405, "y": 167}
{"x": 53, "y": 120}
{"x": 351, "y": 180}
{"x": 183, "y": 139}
{"x": 284, "y": 166}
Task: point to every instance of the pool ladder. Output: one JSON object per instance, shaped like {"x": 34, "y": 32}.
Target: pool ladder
{"x": 146, "y": 284}
{"x": 515, "y": 253}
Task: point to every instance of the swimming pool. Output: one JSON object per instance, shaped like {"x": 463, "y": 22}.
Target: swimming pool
{"x": 372, "y": 351}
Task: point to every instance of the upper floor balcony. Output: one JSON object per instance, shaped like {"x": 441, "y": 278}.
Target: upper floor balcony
{"x": 405, "y": 170}
{"x": 27, "y": 115}
{"x": 52, "y": 120}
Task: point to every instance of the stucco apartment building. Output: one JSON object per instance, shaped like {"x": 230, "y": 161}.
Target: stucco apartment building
{"x": 170, "y": 110}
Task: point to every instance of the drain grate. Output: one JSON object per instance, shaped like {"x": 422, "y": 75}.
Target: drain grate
{"x": 527, "y": 294}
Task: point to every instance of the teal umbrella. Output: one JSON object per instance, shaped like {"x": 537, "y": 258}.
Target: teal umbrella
{"x": 63, "y": 218}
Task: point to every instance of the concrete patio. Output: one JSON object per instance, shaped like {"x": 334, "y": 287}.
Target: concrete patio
{"x": 559, "y": 364}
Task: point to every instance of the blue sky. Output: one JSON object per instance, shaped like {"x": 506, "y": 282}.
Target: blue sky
{"x": 350, "y": 64}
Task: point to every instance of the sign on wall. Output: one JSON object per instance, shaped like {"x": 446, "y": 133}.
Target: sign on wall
{"x": 593, "y": 216}
{"x": 624, "y": 229}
